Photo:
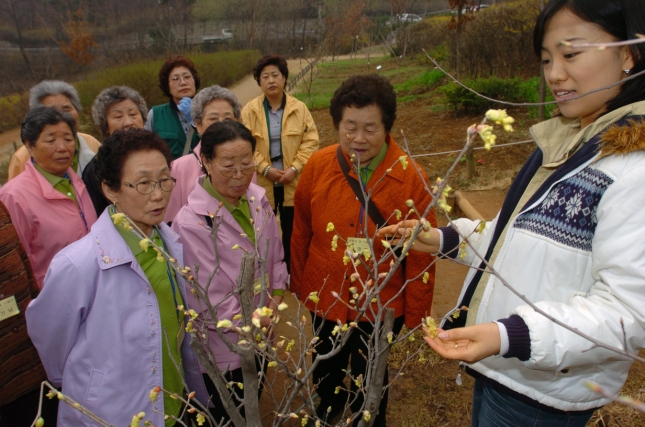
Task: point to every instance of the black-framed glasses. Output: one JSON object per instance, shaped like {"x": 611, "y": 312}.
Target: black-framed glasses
{"x": 147, "y": 187}
{"x": 230, "y": 172}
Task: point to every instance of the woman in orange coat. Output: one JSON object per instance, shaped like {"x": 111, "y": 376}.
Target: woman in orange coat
{"x": 363, "y": 110}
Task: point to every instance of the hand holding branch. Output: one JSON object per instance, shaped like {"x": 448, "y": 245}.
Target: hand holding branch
{"x": 427, "y": 241}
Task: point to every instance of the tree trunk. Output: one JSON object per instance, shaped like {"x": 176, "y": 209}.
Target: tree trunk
{"x": 375, "y": 385}
{"x": 249, "y": 369}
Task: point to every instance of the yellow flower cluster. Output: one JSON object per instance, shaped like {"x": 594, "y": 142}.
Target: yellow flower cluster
{"x": 500, "y": 117}
{"x": 404, "y": 162}
{"x": 445, "y": 192}
{"x": 431, "y": 326}
{"x": 314, "y": 297}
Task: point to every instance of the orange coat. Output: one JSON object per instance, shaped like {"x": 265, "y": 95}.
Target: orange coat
{"x": 323, "y": 196}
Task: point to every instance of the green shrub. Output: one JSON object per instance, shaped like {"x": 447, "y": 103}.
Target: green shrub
{"x": 222, "y": 68}
{"x": 530, "y": 92}
{"x": 421, "y": 83}
{"x": 465, "y": 101}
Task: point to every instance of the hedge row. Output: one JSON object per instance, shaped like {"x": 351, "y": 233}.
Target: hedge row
{"x": 222, "y": 68}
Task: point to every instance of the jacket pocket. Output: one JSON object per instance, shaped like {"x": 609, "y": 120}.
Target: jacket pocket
{"x": 92, "y": 394}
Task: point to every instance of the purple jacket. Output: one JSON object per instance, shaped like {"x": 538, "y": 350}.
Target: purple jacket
{"x": 191, "y": 226}
{"x": 97, "y": 329}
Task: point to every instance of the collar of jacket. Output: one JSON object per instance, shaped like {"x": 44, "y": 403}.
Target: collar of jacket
{"x": 203, "y": 203}
{"x": 391, "y": 160}
{"x": 48, "y": 191}
{"x": 560, "y": 137}
{"x": 110, "y": 245}
{"x": 290, "y": 105}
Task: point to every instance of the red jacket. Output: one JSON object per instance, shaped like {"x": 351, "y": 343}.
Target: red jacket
{"x": 323, "y": 196}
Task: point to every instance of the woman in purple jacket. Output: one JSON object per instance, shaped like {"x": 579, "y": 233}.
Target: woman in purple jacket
{"x": 244, "y": 218}
{"x": 107, "y": 324}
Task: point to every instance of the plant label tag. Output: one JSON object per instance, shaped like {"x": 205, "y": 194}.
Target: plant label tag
{"x": 8, "y": 308}
{"x": 257, "y": 285}
{"x": 358, "y": 244}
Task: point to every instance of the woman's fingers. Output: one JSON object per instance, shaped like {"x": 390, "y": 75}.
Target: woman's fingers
{"x": 399, "y": 229}
{"x": 469, "y": 344}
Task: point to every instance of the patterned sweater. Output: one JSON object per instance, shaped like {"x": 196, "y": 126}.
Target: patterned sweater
{"x": 565, "y": 249}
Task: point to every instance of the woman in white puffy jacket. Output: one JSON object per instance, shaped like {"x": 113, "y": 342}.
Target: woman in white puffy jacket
{"x": 570, "y": 236}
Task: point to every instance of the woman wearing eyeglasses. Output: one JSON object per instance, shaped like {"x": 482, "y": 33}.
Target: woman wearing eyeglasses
{"x": 179, "y": 81}
{"x": 227, "y": 199}
{"x": 212, "y": 104}
{"x": 107, "y": 324}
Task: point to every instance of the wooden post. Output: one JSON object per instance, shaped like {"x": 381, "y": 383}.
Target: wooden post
{"x": 470, "y": 162}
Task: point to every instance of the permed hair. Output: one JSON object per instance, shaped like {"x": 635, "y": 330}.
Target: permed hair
{"x": 361, "y": 91}
{"x": 267, "y": 60}
{"x": 221, "y": 132}
{"x": 209, "y": 94}
{"x": 111, "y": 96}
{"x": 172, "y": 63}
{"x": 116, "y": 148}
{"x": 623, "y": 19}
{"x": 39, "y": 117}
{"x": 54, "y": 87}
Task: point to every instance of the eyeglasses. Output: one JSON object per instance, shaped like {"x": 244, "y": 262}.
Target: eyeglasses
{"x": 176, "y": 79}
{"x": 229, "y": 172}
{"x": 147, "y": 187}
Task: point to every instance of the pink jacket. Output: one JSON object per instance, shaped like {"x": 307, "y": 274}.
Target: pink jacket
{"x": 185, "y": 170}
{"x": 46, "y": 220}
{"x": 190, "y": 224}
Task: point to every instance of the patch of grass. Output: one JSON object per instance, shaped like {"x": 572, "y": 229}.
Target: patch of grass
{"x": 421, "y": 83}
{"x": 409, "y": 80}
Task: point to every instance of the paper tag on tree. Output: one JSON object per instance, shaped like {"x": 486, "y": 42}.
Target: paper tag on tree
{"x": 358, "y": 245}
{"x": 8, "y": 308}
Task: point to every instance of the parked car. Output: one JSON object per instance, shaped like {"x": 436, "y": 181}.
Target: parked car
{"x": 218, "y": 38}
{"x": 404, "y": 18}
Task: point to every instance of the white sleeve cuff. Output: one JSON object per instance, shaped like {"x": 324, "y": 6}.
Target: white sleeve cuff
{"x": 503, "y": 338}
{"x": 440, "y": 239}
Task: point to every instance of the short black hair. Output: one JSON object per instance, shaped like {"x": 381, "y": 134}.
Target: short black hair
{"x": 39, "y": 117}
{"x": 267, "y": 60}
{"x": 116, "y": 149}
{"x": 172, "y": 63}
{"x": 221, "y": 132}
{"x": 361, "y": 91}
{"x": 623, "y": 19}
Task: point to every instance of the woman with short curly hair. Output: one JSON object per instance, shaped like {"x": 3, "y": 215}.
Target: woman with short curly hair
{"x": 363, "y": 110}
{"x": 116, "y": 108}
{"x": 211, "y": 105}
{"x": 121, "y": 332}
{"x": 179, "y": 81}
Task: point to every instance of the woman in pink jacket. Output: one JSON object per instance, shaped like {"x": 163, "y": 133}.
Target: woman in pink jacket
{"x": 245, "y": 218}
{"x": 48, "y": 203}
{"x": 210, "y": 105}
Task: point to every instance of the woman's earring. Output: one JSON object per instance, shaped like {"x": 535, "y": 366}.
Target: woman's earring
{"x": 627, "y": 71}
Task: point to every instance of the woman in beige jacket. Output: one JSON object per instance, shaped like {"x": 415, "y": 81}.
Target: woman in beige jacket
{"x": 285, "y": 135}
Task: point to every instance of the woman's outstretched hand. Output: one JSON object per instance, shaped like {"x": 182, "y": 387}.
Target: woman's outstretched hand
{"x": 427, "y": 241}
{"x": 470, "y": 344}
